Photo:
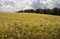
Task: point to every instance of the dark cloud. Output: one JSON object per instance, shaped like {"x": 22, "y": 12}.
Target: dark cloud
{"x": 12, "y": 3}
{"x": 57, "y": 3}
{"x": 46, "y": 4}
{"x": 36, "y": 4}
{"x": 39, "y": 4}
{"x": 0, "y": 5}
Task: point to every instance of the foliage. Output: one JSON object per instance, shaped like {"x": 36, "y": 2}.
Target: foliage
{"x": 29, "y": 10}
{"x": 54, "y": 11}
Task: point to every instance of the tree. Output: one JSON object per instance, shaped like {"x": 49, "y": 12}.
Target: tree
{"x": 29, "y": 10}
{"x": 37, "y": 10}
{"x": 19, "y": 11}
{"x": 54, "y": 11}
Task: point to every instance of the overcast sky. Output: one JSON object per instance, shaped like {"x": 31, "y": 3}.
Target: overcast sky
{"x": 16, "y": 5}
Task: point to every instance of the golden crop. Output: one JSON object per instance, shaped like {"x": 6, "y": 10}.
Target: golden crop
{"x": 29, "y": 26}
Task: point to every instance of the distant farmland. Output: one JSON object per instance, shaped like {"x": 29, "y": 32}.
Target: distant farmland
{"x": 29, "y": 26}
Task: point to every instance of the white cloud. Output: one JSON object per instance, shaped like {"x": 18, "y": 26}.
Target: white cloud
{"x": 15, "y": 5}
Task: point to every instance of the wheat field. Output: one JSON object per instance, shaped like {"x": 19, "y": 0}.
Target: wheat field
{"x": 29, "y": 26}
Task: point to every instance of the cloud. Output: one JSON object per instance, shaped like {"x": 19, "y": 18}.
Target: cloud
{"x": 11, "y": 3}
{"x": 0, "y": 5}
{"x": 43, "y": 4}
{"x": 15, "y": 5}
{"x": 36, "y": 4}
{"x": 57, "y": 3}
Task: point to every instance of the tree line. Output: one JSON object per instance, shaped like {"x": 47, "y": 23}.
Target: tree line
{"x": 54, "y": 11}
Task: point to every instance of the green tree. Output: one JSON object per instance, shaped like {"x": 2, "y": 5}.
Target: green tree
{"x": 37, "y": 10}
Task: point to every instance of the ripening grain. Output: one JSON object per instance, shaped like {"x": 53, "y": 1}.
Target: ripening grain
{"x": 29, "y": 26}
